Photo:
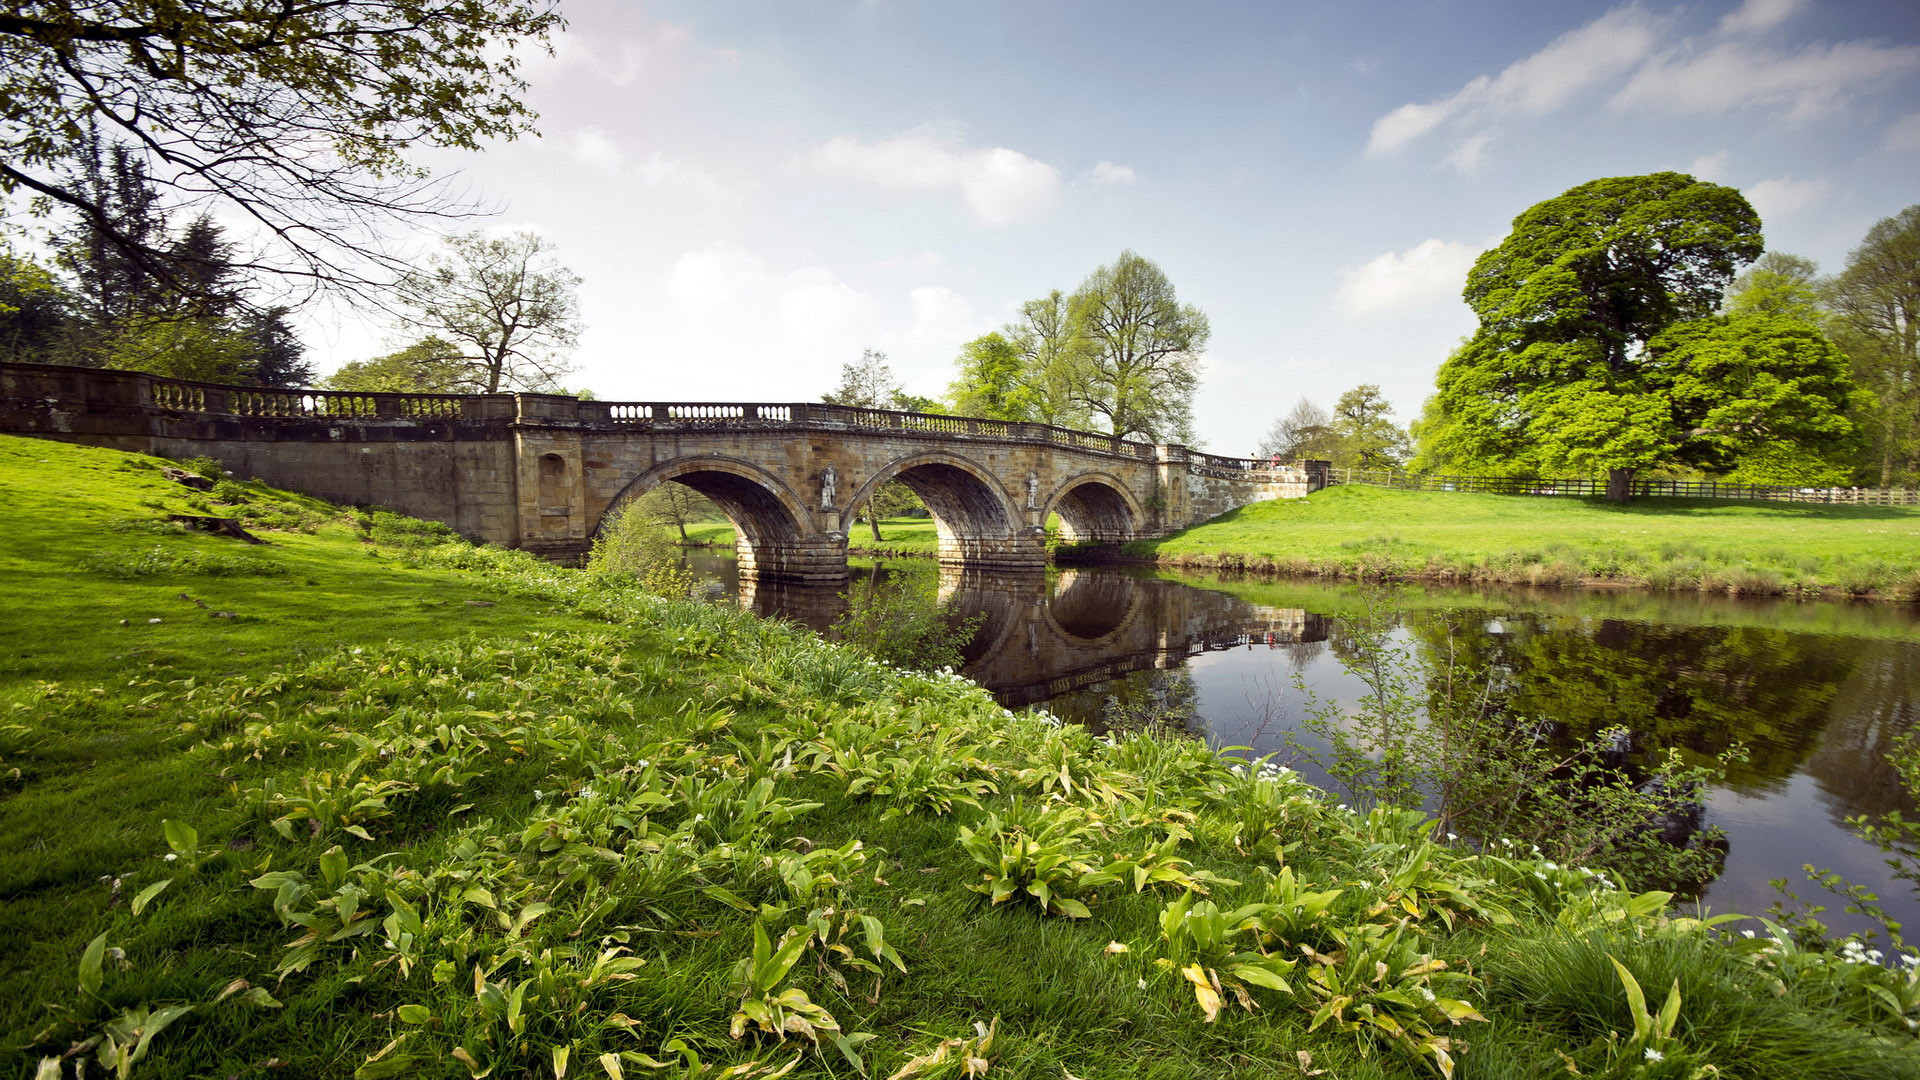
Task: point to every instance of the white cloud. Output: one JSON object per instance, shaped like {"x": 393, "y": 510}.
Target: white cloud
{"x": 1709, "y": 166}
{"x": 1783, "y": 196}
{"x": 1429, "y": 271}
{"x": 593, "y": 146}
{"x": 716, "y": 279}
{"x": 1731, "y": 75}
{"x": 1108, "y": 174}
{"x": 1755, "y": 16}
{"x": 1535, "y": 85}
{"x": 647, "y": 54}
{"x": 1470, "y": 155}
{"x": 998, "y": 186}
{"x": 1904, "y": 134}
{"x": 941, "y": 315}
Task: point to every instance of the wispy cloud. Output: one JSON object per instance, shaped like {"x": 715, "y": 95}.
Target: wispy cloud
{"x": 1575, "y": 61}
{"x": 1651, "y": 69}
{"x": 998, "y": 186}
{"x": 1423, "y": 274}
{"x": 1903, "y": 135}
{"x": 1110, "y": 174}
{"x": 1785, "y": 195}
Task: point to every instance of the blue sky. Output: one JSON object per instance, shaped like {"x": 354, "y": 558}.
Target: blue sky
{"x": 753, "y": 193}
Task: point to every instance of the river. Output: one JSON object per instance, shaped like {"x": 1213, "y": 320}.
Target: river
{"x": 1815, "y": 692}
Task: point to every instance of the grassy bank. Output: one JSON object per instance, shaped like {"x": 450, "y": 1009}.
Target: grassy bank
{"x": 1357, "y": 531}
{"x": 386, "y": 807}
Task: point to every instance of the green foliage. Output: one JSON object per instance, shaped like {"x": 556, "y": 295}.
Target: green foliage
{"x": 1568, "y": 305}
{"x": 431, "y": 365}
{"x": 1876, "y": 319}
{"x": 1142, "y": 359}
{"x": 585, "y": 829}
{"x": 634, "y": 543}
{"x": 988, "y": 382}
{"x": 1781, "y": 285}
{"x": 397, "y": 530}
{"x": 899, "y": 620}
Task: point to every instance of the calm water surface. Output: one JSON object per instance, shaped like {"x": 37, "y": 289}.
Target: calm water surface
{"x": 1815, "y": 692}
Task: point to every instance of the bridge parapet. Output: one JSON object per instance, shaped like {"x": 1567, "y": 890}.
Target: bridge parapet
{"x": 543, "y": 471}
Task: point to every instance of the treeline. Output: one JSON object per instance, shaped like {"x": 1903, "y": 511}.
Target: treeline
{"x": 178, "y": 302}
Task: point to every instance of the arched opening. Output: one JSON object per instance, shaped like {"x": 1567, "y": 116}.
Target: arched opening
{"x": 1095, "y": 511}
{"x": 1089, "y": 607}
{"x": 971, "y": 514}
{"x": 556, "y": 508}
{"x": 771, "y": 533}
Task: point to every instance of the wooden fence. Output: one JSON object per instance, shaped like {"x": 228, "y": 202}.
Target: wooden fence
{"x": 1586, "y": 486}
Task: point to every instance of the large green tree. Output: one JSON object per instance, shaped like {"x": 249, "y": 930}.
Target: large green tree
{"x": 1142, "y": 362}
{"x": 292, "y": 114}
{"x": 1362, "y": 434}
{"x": 1560, "y": 368}
{"x": 1876, "y": 306}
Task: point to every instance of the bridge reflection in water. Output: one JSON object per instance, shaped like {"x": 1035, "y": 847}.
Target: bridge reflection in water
{"x": 1044, "y": 636}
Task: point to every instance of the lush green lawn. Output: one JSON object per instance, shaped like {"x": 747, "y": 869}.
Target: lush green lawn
{"x": 433, "y": 810}
{"x": 1710, "y": 545}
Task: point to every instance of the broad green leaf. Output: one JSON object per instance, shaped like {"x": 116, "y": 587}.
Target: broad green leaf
{"x": 90, "y": 961}
{"x": 414, "y": 1014}
{"x": 147, "y": 894}
{"x": 395, "y": 1065}
{"x": 181, "y": 837}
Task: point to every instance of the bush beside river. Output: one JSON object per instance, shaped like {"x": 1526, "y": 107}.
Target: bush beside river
{"x": 364, "y": 800}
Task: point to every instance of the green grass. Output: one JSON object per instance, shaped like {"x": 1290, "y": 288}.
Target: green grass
{"x": 405, "y": 834}
{"x": 1356, "y": 531}
{"x": 899, "y": 536}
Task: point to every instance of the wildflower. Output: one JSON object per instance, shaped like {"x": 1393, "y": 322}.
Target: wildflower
{"x": 1655, "y": 1055}
{"x": 171, "y": 856}
{"x": 1426, "y": 994}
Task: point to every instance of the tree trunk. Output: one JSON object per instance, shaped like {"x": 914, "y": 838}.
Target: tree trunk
{"x": 1620, "y": 485}
{"x": 873, "y": 522}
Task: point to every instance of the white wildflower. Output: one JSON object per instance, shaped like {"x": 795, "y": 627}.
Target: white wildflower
{"x": 1655, "y": 1055}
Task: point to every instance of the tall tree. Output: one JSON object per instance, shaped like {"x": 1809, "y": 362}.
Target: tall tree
{"x": 294, "y": 115}
{"x": 1142, "y": 365}
{"x": 1362, "y": 435}
{"x": 1304, "y": 433}
{"x": 504, "y": 302}
{"x": 1052, "y": 352}
{"x": 1876, "y": 303}
{"x": 1567, "y": 305}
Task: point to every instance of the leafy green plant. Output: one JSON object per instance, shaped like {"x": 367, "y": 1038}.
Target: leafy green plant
{"x": 1383, "y": 989}
{"x": 1219, "y": 952}
{"x": 1045, "y": 857}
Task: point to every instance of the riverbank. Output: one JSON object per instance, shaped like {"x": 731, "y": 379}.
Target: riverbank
{"x": 899, "y": 537}
{"x": 358, "y": 801}
{"x": 1719, "y": 546}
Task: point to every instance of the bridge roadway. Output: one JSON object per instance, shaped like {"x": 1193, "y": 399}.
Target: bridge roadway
{"x": 544, "y": 472}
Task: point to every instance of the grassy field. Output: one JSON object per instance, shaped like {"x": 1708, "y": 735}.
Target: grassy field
{"x": 388, "y": 806}
{"x": 1355, "y": 531}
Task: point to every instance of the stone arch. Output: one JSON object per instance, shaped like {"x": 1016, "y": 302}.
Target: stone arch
{"x": 1092, "y": 608}
{"x": 976, "y": 521}
{"x": 1096, "y": 508}
{"x": 761, "y": 507}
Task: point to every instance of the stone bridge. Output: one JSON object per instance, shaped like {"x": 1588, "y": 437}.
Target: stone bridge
{"x": 543, "y": 472}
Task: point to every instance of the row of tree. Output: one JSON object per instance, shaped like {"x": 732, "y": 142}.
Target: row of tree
{"x": 1609, "y": 344}
{"x": 1358, "y": 434}
{"x": 183, "y": 308}
{"x": 495, "y": 310}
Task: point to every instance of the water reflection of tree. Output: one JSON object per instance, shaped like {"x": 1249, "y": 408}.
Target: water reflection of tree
{"x": 1698, "y": 688}
{"x": 1879, "y": 701}
{"x": 1159, "y": 699}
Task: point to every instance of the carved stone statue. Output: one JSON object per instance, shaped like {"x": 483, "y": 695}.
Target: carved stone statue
{"x": 829, "y": 487}
{"x": 1033, "y": 490}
